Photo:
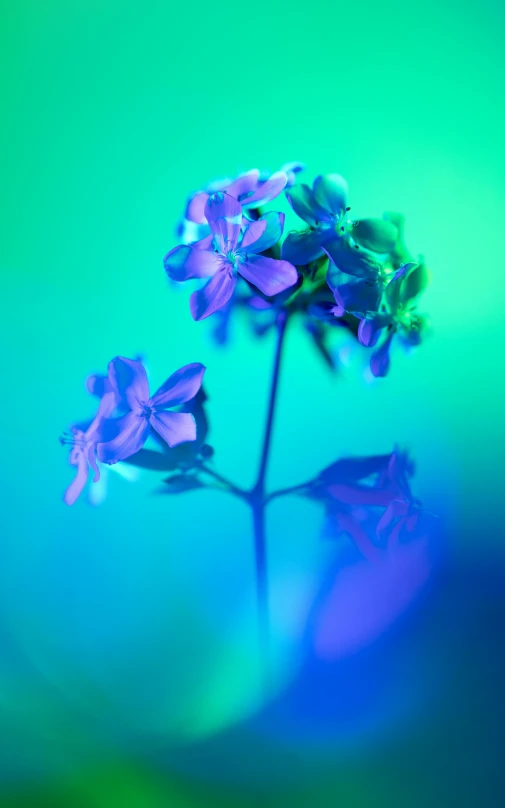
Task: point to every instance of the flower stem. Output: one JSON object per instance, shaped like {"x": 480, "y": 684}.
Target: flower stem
{"x": 258, "y": 501}
{"x": 260, "y": 556}
{"x": 281, "y": 330}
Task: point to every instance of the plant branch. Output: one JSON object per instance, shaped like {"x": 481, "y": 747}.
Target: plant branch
{"x": 231, "y": 487}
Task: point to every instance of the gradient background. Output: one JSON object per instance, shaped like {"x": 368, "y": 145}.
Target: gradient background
{"x": 127, "y": 632}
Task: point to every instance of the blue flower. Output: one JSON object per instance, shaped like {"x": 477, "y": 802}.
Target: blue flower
{"x": 324, "y": 209}
{"x": 397, "y": 316}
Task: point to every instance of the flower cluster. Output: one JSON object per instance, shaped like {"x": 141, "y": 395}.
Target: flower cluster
{"x": 334, "y": 272}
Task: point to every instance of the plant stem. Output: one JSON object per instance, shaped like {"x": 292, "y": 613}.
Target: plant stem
{"x": 260, "y": 556}
{"x": 282, "y": 492}
{"x": 258, "y": 501}
{"x": 281, "y": 330}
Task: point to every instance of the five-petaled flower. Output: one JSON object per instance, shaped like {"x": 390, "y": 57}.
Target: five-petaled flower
{"x": 324, "y": 209}
{"x": 128, "y": 379}
{"x": 228, "y": 252}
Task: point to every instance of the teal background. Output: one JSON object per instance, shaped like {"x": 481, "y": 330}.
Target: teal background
{"x": 128, "y": 630}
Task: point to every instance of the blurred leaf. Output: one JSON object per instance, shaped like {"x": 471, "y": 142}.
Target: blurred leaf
{"x": 155, "y": 461}
{"x": 319, "y": 334}
{"x": 353, "y": 469}
{"x": 179, "y": 483}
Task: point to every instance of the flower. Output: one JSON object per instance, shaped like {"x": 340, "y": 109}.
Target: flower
{"x": 397, "y": 314}
{"x": 404, "y": 509}
{"x": 83, "y": 442}
{"x": 128, "y": 379}
{"x": 228, "y": 252}
{"x": 324, "y": 208}
{"x": 252, "y": 189}
{"x": 356, "y": 490}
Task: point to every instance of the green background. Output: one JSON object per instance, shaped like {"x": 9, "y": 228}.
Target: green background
{"x": 136, "y": 619}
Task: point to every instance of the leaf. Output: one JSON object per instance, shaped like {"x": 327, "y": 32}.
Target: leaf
{"x": 180, "y": 483}
{"x": 353, "y": 469}
{"x": 154, "y": 461}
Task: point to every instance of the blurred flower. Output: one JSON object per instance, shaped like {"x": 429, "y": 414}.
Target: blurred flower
{"x": 404, "y": 509}
{"x": 226, "y": 253}
{"x": 252, "y": 189}
{"x": 83, "y": 442}
{"x": 369, "y": 499}
{"x": 128, "y": 379}
{"x": 324, "y": 208}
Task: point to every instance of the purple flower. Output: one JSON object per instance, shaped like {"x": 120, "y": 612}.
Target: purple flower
{"x": 252, "y": 189}
{"x": 228, "y": 252}
{"x": 324, "y": 209}
{"x": 83, "y": 445}
{"x": 128, "y": 379}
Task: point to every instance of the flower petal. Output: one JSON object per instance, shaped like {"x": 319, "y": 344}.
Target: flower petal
{"x": 360, "y": 494}
{"x": 330, "y": 193}
{"x": 181, "y": 386}
{"x": 301, "y": 199}
{"x": 244, "y": 184}
{"x": 356, "y": 295}
{"x": 267, "y": 190}
{"x": 269, "y": 275}
{"x": 174, "y": 427}
{"x": 380, "y": 359}
{"x": 187, "y": 262}
{"x": 350, "y": 525}
{"x": 369, "y": 331}
{"x": 195, "y": 210}
{"x": 415, "y": 281}
{"x": 79, "y": 481}
{"x": 224, "y": 215}
{"x": 292, "y": 169}
{"x": 375, "y": 234}
{"x": 132, "y": 434}
{"x": 253, "y": 232}
{"x": 302, "y": 248}
{"x": 274, "y": 225}
{"x": 351, "y": 260}
{"x": 214, "y": 295}
{"x": 128, "y": 379}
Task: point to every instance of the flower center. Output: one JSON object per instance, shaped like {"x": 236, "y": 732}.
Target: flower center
{"x": 234, "y": 259}
{"x": 147, "y": 411}
{"x": 408, "y": 319}
{"x": 343, "y": 224}
{"x": 74, "y": 439}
